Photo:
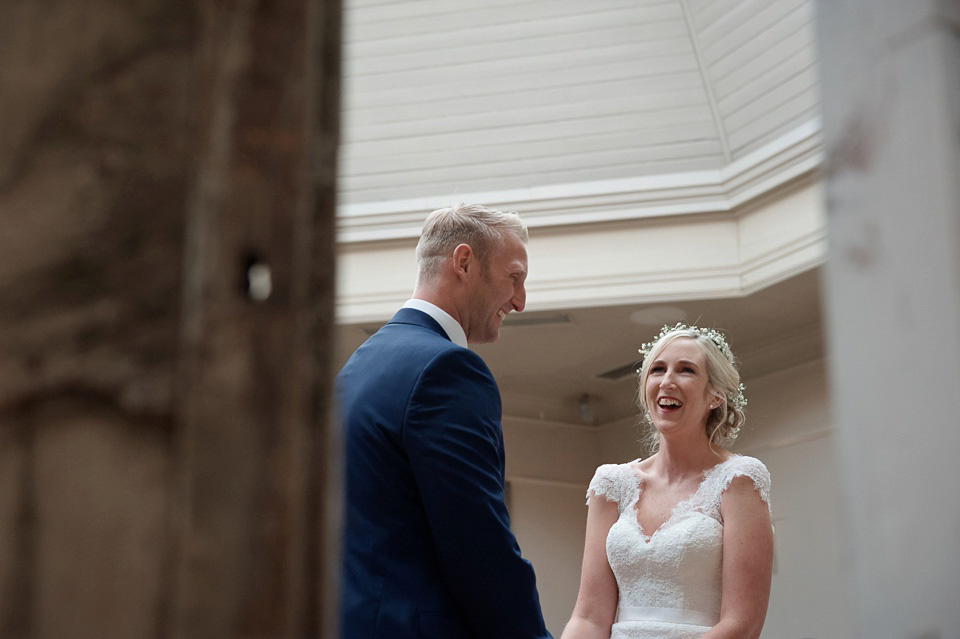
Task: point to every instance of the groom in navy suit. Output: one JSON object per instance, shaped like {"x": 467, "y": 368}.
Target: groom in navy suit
{"x": 427, "y": 546}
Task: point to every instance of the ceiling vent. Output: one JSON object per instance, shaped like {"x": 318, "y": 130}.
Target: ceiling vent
{"x": 513, "y": 319}
{"x": 616, "y": 374}
{"x": 535, "y": 319}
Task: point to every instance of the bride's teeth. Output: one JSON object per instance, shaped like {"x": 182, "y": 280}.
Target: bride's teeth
{"x": 501, "y": 314}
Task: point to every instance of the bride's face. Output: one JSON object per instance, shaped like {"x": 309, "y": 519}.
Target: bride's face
{"x": 677, "y": 387}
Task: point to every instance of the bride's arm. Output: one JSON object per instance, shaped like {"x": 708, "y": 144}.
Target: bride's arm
{"x": 747, "y": 562}
{"x": 597, "y": 602}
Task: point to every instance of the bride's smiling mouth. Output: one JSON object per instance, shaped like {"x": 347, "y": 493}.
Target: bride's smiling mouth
{"x": 669, "y": 403}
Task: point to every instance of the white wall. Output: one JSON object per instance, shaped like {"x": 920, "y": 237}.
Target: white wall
{"x": 549, "y": 466}
{"x": 549, "y": 519}
{"x": 620, "y": 441}
{"x": 789, "y": 428}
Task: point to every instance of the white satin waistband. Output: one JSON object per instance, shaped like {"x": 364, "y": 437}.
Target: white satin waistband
{"x": 670, "y": 615}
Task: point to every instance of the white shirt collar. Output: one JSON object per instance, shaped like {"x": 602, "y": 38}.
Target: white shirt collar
{"x": 450, "y": 326}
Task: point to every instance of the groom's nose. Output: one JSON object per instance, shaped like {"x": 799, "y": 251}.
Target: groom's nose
{"x": 519, "y": 299}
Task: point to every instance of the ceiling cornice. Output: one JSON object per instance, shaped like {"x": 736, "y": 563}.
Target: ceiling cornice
{"x": 790, "y": 156}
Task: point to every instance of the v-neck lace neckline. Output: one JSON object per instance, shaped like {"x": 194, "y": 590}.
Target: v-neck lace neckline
{"x": 678, "y": 508}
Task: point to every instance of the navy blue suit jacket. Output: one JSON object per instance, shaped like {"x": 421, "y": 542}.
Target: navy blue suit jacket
{"x": 427, "y": 546}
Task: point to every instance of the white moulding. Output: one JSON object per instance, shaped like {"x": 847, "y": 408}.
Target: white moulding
{"x": 786, "y": 158}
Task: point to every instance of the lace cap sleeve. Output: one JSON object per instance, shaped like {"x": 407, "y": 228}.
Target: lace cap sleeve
{"x": 608, "y": 482}
{"x": 742, "y": 466}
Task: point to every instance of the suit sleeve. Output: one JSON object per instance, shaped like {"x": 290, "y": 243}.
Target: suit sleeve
{"x": 453, "y": 436}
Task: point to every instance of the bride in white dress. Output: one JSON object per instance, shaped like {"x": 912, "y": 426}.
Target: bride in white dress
{"x": 680, "y": 545}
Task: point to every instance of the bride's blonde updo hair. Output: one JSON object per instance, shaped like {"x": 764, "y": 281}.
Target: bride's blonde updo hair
{"x": 724, "y": 421}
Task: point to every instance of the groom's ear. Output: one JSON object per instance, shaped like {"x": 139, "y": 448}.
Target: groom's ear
{"x": 464, "y": 259}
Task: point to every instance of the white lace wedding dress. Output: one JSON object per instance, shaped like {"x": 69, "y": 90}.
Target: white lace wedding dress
{"x": 670, "y": 581}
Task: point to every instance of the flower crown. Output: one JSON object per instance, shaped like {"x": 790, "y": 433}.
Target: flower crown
{"x": 735, "y": 398}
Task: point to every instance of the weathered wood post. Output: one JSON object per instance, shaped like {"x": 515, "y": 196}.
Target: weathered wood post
{"x": 257, "y": 320}
{"x": 167, "y": 187}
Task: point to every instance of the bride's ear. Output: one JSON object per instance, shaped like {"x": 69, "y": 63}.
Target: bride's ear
{"x": 716, "y": 399}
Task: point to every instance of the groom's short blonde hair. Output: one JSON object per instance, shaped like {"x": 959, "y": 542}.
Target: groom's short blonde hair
{"x": 479, "y": 227}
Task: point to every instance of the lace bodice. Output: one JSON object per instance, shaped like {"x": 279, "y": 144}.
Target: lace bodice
{"x": 678, "y": 566}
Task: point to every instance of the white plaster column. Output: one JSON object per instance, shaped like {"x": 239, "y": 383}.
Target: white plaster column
{"x": 891, "y": 102}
